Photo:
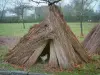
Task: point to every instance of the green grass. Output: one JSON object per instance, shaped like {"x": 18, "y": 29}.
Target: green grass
{"x": 3, "y": 65}
{"x": 87, "y": 69}
{"x": 15, "y": 29}
{"x": 76, "y": 27}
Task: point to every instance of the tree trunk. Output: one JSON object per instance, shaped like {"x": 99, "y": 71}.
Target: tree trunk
{"x": 23, "y": 18}
{"x": 2, "y": 11}
{"x": 65, "y": 50}
{"x": 2, "y": 15}
{"x": 92, "y": 41}
{"x": 81, "y": 25}
{"x": 81, "y": 18}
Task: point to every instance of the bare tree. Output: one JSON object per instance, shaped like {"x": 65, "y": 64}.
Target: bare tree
{"x": 50, "y": 2}
{"x": 2, "y": 8}
{"x": 20, "y": 7}
{"x": 80, "y": 7}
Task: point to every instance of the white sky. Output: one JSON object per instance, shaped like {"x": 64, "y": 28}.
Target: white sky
{"x": 11, "y": 4}
{"x": 35, "y": 4}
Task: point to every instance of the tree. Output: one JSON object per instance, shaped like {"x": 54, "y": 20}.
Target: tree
{"x": 68, "y": 13}
{"x": 20, "y": 8}
{"x": 80, "y": 7}
{"x": 52, "y": 37}
{"x": 2, "y": 8}
{"x": 92, "y": 40}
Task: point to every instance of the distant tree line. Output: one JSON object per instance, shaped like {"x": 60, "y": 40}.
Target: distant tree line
{"x": 72, "y": 16}
{"x": 72, "y": 13}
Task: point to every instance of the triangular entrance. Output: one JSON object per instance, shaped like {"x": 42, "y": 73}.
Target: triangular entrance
{"x": 45, "y": 55}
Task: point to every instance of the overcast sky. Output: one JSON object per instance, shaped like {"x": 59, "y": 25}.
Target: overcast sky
{"x": 11, "y": 4}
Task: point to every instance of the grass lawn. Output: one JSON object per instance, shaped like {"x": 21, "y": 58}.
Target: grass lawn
{"x": 16, "y": 29}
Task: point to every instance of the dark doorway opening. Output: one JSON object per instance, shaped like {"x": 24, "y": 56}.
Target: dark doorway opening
{"x": 45, "y": 55}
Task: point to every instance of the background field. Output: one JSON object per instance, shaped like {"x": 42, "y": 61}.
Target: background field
{"x": 16, "y": 29}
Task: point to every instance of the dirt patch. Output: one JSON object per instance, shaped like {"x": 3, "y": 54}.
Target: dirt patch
{"x": 9, "y": 41}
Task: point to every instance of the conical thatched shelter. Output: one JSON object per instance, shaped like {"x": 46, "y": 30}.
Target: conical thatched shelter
{"x": 92, "y": 40}
{"x": 52, "y": 37}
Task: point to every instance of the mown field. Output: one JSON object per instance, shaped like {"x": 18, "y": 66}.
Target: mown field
{"x": 16, "y": 29}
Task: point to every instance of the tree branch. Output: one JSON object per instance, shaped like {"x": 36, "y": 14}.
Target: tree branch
{"x": 54, "y": 2}
{"x": 38, "y": 2}
{"x": 46, "y": 1}
{"x": 51, "y": 3}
